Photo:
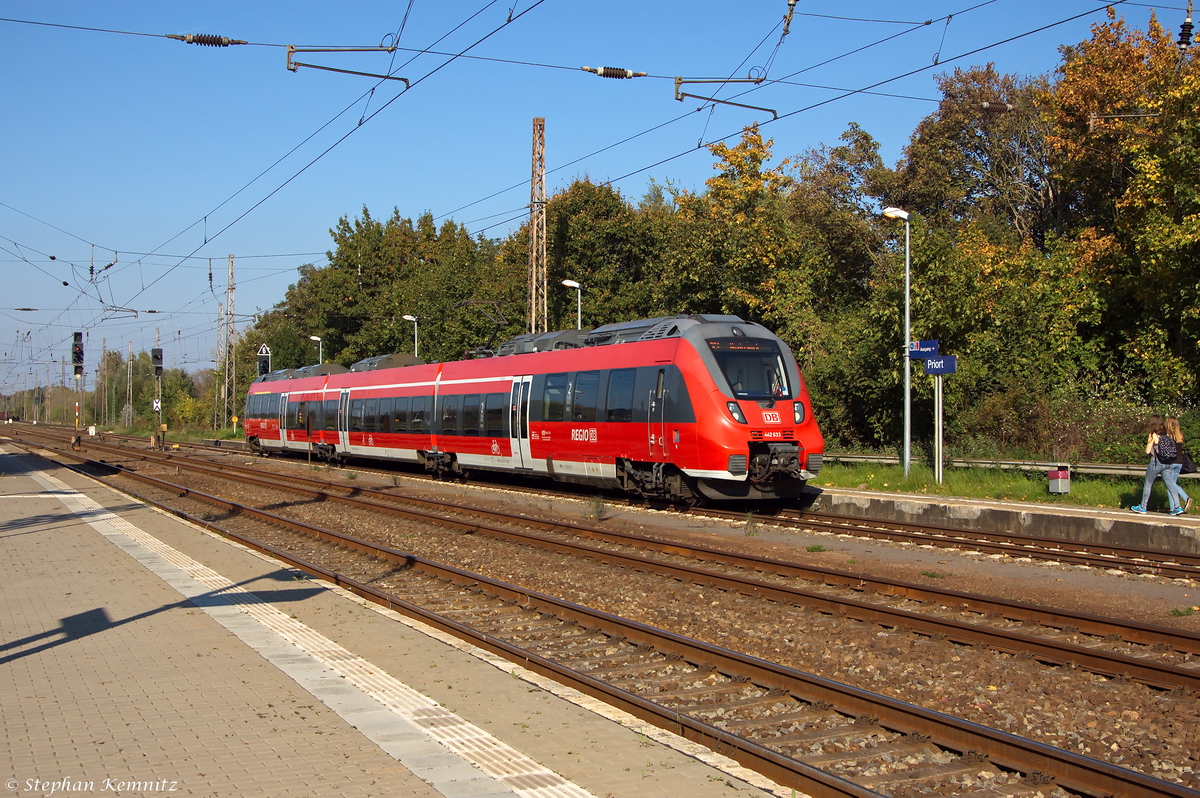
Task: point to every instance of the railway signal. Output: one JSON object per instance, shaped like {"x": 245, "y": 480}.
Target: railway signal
{"x": 264, "y": 360}
{"x": 77, "y": 354}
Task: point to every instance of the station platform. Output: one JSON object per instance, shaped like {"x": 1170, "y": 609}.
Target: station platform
{"x": 142, "y": 655}
{"x": 1110, "y": 526}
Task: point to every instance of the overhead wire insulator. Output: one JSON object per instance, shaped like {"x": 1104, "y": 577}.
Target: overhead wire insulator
{"x": 614, "y": 72}
{"x": 206, "y": 39}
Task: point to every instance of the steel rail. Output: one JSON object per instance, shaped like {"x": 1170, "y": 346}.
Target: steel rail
{"x": 1102, "y": 553}
{"x": 1175, "y": 565}
{"x": 1044, "y": 649}
{"x": 1071, "y": 771}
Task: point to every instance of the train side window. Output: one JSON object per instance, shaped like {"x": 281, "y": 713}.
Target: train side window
{"x": 497, "y": 404}
{"x": 619, "y": 404}
{"x": 679, "y": 403}
{"x": 370, "y": 408}
{"x": 253, "y": 405}
{"x": 292, "y": 419}
{"x": 587, "y": 388}
{"x": 331, "y": 414}
{"x": 419, "y": 417}
{"x": 471, "y": 414}
{"x": 356, "y": 413}
{"x": 646, "y": 389}
{"x": 400, "y": 414}
{"x": 385, "y": 415}
{"x": 450, "y": 408}
{"x": 554, "y": 397}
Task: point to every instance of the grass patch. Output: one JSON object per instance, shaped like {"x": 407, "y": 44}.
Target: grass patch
{"x": 594, "y": 510}
{"x": 1087, "y": 490}
{"x": 817, "y": 547}
{"x": 751, "y": 528}
{"x": 933, "y": 574}
{"x": 1184, "y": 612}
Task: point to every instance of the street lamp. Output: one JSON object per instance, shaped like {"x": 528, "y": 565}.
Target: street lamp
{"x": 896, "y": 213}
{"x": 578, "y": 302}
{"x": 320, "y": 348}
{"x": 413, "y": 319}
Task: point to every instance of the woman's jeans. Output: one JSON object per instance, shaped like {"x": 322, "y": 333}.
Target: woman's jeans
{"x": 1153, "y": 470}
{"x": 1170, "y": 476}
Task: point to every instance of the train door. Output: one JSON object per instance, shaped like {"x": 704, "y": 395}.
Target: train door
{"x": 518, "y": 423}
{"x": 343, "y": 423}
{"x": 656, "y": 417}
{"x": 283, "y": 421}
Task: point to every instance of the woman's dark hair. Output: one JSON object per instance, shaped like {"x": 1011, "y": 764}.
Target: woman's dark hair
{"x": 1157, "y": 427}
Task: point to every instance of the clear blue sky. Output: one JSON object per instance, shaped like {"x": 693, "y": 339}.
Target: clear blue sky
{"x": 141, "y": 144}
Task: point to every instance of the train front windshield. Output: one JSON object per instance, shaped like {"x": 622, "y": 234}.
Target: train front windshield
{"x": 753, "y": 367}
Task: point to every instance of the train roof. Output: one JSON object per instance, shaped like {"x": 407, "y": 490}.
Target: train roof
{"x": 654, "y": 329}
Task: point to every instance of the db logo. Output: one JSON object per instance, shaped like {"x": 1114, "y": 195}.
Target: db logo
{"x": 771, "y": 417}
{"x": 495, "y": 447}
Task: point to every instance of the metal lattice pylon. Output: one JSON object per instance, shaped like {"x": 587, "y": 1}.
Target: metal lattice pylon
{"x": 538, "y": 313}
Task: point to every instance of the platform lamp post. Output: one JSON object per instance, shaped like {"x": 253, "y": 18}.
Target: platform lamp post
{"x": 413, "y": 319}
{"x": 578, "y": 301}
{"x": 906, "y": 458}
{"x": 320, "y": 348}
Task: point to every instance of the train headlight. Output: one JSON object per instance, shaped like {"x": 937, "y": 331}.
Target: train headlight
{"x": 736, "y": 412}
{"x": 798, "y": 411}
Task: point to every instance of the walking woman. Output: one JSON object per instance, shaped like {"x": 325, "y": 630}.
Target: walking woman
{"x": 1160, "y": 447}
{"x": 1171, "y": 473}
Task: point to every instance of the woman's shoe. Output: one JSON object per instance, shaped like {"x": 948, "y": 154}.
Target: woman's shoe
{"x": 1139, "y": 509}
{"x": 1178, "y": 511}
{"x": 1187, "y": 506}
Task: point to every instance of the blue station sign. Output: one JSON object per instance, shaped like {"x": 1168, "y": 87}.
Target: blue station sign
{"x": 942, "y": 364}
{"x": 920, "y": 350}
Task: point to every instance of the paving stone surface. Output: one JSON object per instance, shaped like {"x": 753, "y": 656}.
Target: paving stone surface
{"x": 113, "y": 682}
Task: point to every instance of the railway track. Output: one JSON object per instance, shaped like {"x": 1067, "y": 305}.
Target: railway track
{"x": 806, "y": 732}
{"x": 773, "y": 717}
{"x": 1173, "y": 565}
{"x": 1168, "y": 564}
{"x": 1154, "y": 655}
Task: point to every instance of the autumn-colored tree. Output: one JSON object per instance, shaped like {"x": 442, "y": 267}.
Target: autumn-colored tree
{"x": 967, "y": 163}
{"x": 1125, "y": 138}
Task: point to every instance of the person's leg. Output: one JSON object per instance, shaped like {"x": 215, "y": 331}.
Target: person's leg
{"x": 1151, "y": 472}
{"x": 1169, "y": 474}
{"x": 1179, "y": 497}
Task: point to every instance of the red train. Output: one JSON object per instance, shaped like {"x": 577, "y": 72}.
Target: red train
{"x": 683, "y": 408}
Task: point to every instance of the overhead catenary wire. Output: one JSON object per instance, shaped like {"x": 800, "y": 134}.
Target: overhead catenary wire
{"x": 146, "y": 286}
{"x": 871, "y": 86}
{"x": 846, "y": 91}
{"x": 915, "y": 26}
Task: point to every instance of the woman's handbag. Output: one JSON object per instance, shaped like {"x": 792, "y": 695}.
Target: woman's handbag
{"x": 1187, "y": 464}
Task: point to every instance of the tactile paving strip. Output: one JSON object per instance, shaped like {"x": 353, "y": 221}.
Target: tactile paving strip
{"x": 480, "y": 755}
